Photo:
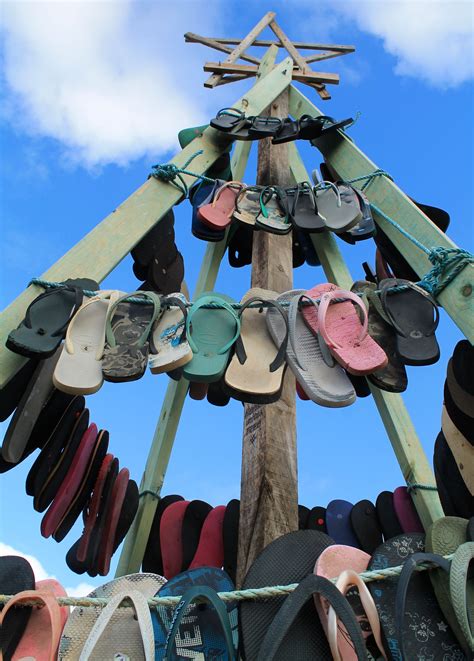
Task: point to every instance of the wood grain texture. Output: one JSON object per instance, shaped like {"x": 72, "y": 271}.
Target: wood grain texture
{"x": 349, "y": 161}
{"x": 412, "y": 460}
{"x": 190, "y": 37}
{"x": 306, "y": 76}
{"x": 269, "y": 491}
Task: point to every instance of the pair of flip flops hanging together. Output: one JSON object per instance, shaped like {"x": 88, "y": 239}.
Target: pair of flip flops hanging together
{"x": 237, "y": 126}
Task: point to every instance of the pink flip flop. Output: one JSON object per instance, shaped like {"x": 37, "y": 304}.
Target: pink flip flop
{"x": 210, "y": 550}
{"x": 40, "y": 640}
{"x": 406, "y": 512}
{"x": 170, "y": 538}
{"x": 71, "y": 482}
{"x": 347, "y": 338}
{"x": 345, "y": 563}
{"x": 106, "y": 548}
{"x": 218, "y": 214}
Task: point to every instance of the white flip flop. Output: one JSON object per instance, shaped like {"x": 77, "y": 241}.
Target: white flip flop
{"x": 169, "y": 348}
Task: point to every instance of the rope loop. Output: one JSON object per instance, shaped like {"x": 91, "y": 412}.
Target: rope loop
{"x": 169, "y": 173}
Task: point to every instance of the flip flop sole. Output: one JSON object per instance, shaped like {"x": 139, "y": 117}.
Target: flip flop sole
{"x": 338, "y": 523}
{"x": 13, "y": 391}
{"x": 406, "y": 512}
{"x": 193, "y": 521}
{"x": 387, "y": 516}
{"x": 366, "y": 526}
{"x": 152, "y": 559}
{"x": 230, "y": 534}
{"x": 210, "y": 550}
{"x": 16, "y": 575}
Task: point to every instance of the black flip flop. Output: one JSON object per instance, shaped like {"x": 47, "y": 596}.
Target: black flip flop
{"x": 317, "y": 519}
{"x": 414, "y": 315}
{"x": 454, "y": 495}
{"x": 191, "y": 527}
{"x": 152, "y": 561}
{"x": 303, "y": 210}
{"x": 307, "y": 248}
{"x": 264, "y": 127}
{"x": 168, "y": 278}
{"x": 140, "y": 272}
{"x": 387, "y": 516}
{"x": 230, "y": 534}
{"x": 12, "y": 392}
{"x": 366, "y": 526}
{"x": 158, "y": 241}
{"x": 239, "y": 250}
{"x": 288, "y": 559}
{"x": 16, "y": 575}
{"x": 312, "y": 128}
{"x": 227, "y": 119}
{"x": 360, "y": 384}
{"x": 52, "y": 449}
{"x": 298, "y": 255}
{"x": 303, "y": 514}
{"x": 463, "y": 365}
{"x": 462, "y": 422}
{"x": 216, "y": 394}
{"x": 292, "y": 636}
{"x": 288, "y": 132}
{"x": 47, "y": 318}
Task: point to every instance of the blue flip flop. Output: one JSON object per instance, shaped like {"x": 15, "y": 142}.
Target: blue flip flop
{"x": 338, "y": 523}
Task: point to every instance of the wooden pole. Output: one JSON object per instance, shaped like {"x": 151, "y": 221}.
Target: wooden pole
{"x": 269, "y": 491}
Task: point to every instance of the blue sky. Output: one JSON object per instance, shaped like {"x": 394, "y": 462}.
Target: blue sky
{"x": 96, "y": 92}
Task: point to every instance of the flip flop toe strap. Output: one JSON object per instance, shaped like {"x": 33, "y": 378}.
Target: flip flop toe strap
{"x": 326, "y": 300}
{"x": 147, "y": 296}
{"x": 223, "y": 305}
{"x": 293, "y": 312}
{"x": 458, "y": 578}
{"x": 78, "y": 297}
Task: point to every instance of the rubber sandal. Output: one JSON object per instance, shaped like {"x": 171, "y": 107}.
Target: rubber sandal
{"x": 345, "y": 335}
{"x": 462, "y": 421}
{"x": 303, "y": 209}
{"x": 230, "y": 536}
{"x": 208, "y": 638}
{"x": 463, "y": 364}
{"x": 360, "y": 384}
{"x": 255, "y": 373}
{"x": 324, "y": 384}
{"x": 462, "y": 450}
{"x": 127, "y": 330}
{"x": 211, "y": 335}
{"x": 345, "y": 563}
{"x": 171, "y": 525}
{"x": 46, "y": 319}
{"x": 37, "y": 393}
{"x": 463, "y": 400}
{"x": 317, "y": 519}
{"x": 406, "y": 512}
{"x": 387, "y": 516}
{"x": 12, "y": 392}
{"x": 366, "y": 526}
{"x": 288, "y": 131}
{"x": 298, "y": 257}
{"x": 312, "y": 128}
{"x": 264, "y": 127}
{"x": 119, "y": 493}
{"x": 416, "y": 631}
{"x": 166, "y": 275}
{"x": 216, "y": 394}
{"x": 293, "y": 630}
{"x": 169, "y": 348}
{"x": 301, "y": 393}
{"x": 303, "y": 513}
{"x": 288, "y": 559}
{"x": 273, "y": 215}
{"x": 461, "y": 590}
{"x": 454, "y": 495}
{"x": 198, "y": 391}
{"x": 210, "y": 550}
{"x": 239, "y": 249}
{"x": 199, "y": 195}
{"x": 411, "y": 314}
{"x": 365, "y": 228}
{"x": 392, "y": 377}
{"x": 218, "y": 214}
{"x": 338, "y": 523}
{"x": 16, "y": 575}
{"x": 193, "y": 520}
{"x": 308, "y": 249}
{"x": 338, "y": 205}
{"x": 227, "y": 119}
{"x": 157, "y": 242}
{"x": 247, "y": 205}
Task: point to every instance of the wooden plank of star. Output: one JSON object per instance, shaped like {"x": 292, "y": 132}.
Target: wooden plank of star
{"x": 242, "y": 46}
{"x": 301, "y": 45}
{"x": 225, "y": 80}
{"x": 303, "y": 77}
{"x": 319, "y": 57}
{"x": 190, "y": 37}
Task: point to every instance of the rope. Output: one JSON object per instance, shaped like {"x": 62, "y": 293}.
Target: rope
{"x": 149, "y": 492}
{"x": 413, "y": 486}
{"x": 252, "y": 594}
{"x": 169, "y": 172}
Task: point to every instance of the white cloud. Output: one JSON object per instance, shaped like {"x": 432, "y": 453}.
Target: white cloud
{"x": 106, "y": 79}
{"x": 431, "y": 40}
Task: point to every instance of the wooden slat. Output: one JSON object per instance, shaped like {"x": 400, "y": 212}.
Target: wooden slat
{"x": 399, "y": 427}
{"x": 157, "y": 463}
{"x": 325, "y": 56}
{"x": 107, "y": 244}
{"x": 307, "y": 76}
{"x": 242, "y": 46}
{"x": 350, "y": 162}
{"x": 225, "y": 80}
{"x": 303, "y": 45}
{"x": 190, "y": 37}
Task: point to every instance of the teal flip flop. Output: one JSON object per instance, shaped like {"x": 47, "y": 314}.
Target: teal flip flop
{"x": 211, "y": 334}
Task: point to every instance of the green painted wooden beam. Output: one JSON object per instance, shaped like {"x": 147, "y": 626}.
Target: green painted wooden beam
{"x": 350, "y": 162}
{"x": 97, "y": 254}
{"x": 395, "y": 417}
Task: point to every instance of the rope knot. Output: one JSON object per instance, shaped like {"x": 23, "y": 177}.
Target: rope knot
{"x": 167, "y": 172}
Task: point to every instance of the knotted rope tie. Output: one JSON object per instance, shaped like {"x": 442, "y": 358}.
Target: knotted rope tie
{"x": 169, "y": 172}
{"x": 413, "y": 486}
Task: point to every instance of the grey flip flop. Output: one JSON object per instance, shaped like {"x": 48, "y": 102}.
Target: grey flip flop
{"x": 339, "y": 206}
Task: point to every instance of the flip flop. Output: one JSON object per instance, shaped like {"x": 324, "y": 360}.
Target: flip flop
{"x": 273, "y": 215}
{"x": 207, "y": 638}
{"x": 255, "y": 373}
{"x": 198, "y": 391}
{"x": 127, "y": 331}
{"x": 360, "y": 384}
{"x": 444, "y": 537}
{"x": 411, "y": 314}
{"x": 365, "y": 228}
{"x": 288, "y": 559}
{"x": 216, "y": 394}
{"x": 338, "y": 205}
{"x": 46, "y": 319}
{"x": 392, "y": 377}
{"x": 462, "y": 450}
{"x": 43, "y": 632}
{"x": 338, "y": 523}
{"x": 16, "y": 575}
{"x": 199, "y": 195}
{"x": 230, "y": 535}
{"x": 454, "y": 495}
{"x": 227, "y": 119}
{"x": 463, "y": 364}
{"x": 463, "y": 422}
{"x": 210, "y": 550}
{"x": 171, "y": 526}
{"x": 211, "y": 335}
{"x": 345, "y": 335}
{"x": 92, "y": 509}
{"x": 463, "y": 400}
{"x": 312, "y": 128}
{"x": 218, "y": 213}
{"x": 12, "y": 392}
{"x": 122, "y": 636}
{"x": 301, "y": 393}
{"x": 166, "y": 275}
{"x": 36, "y": 395}
{"x": 158, "y": 241}
{"x": 387, "y": 516}
{"x": 289, "y": 131}
{"x": 345, "y": 563}
{"x": 317, "y": 519}
{"x": 264, "y": 127}
{"x": 239, "y": 249}
{"x": 406, "y": 512}
{"x": 169, "y": 348}
{"x": 193, "y": 520}
{"x": 106, "y": 549}
{"x": 303, "y": 209}
{"x": 308, "y": 249}
{"x": 303, "y": 514}
{"x": 366, "y": 526}
{"x": 247, "y": 205}
{"x": 297, "y": 252}
{"x": 324, "y": 384}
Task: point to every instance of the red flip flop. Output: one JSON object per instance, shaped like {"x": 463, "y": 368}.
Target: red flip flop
{"x": 93, "y": 508}
{"x": 218, "y": 214}
{"x": 170, "y": 538}
{"x": 210, "y": 550}
{"x": 406, "y": 512}
{"x": 70, "y": 484}
{"x": 106, "y": 548}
